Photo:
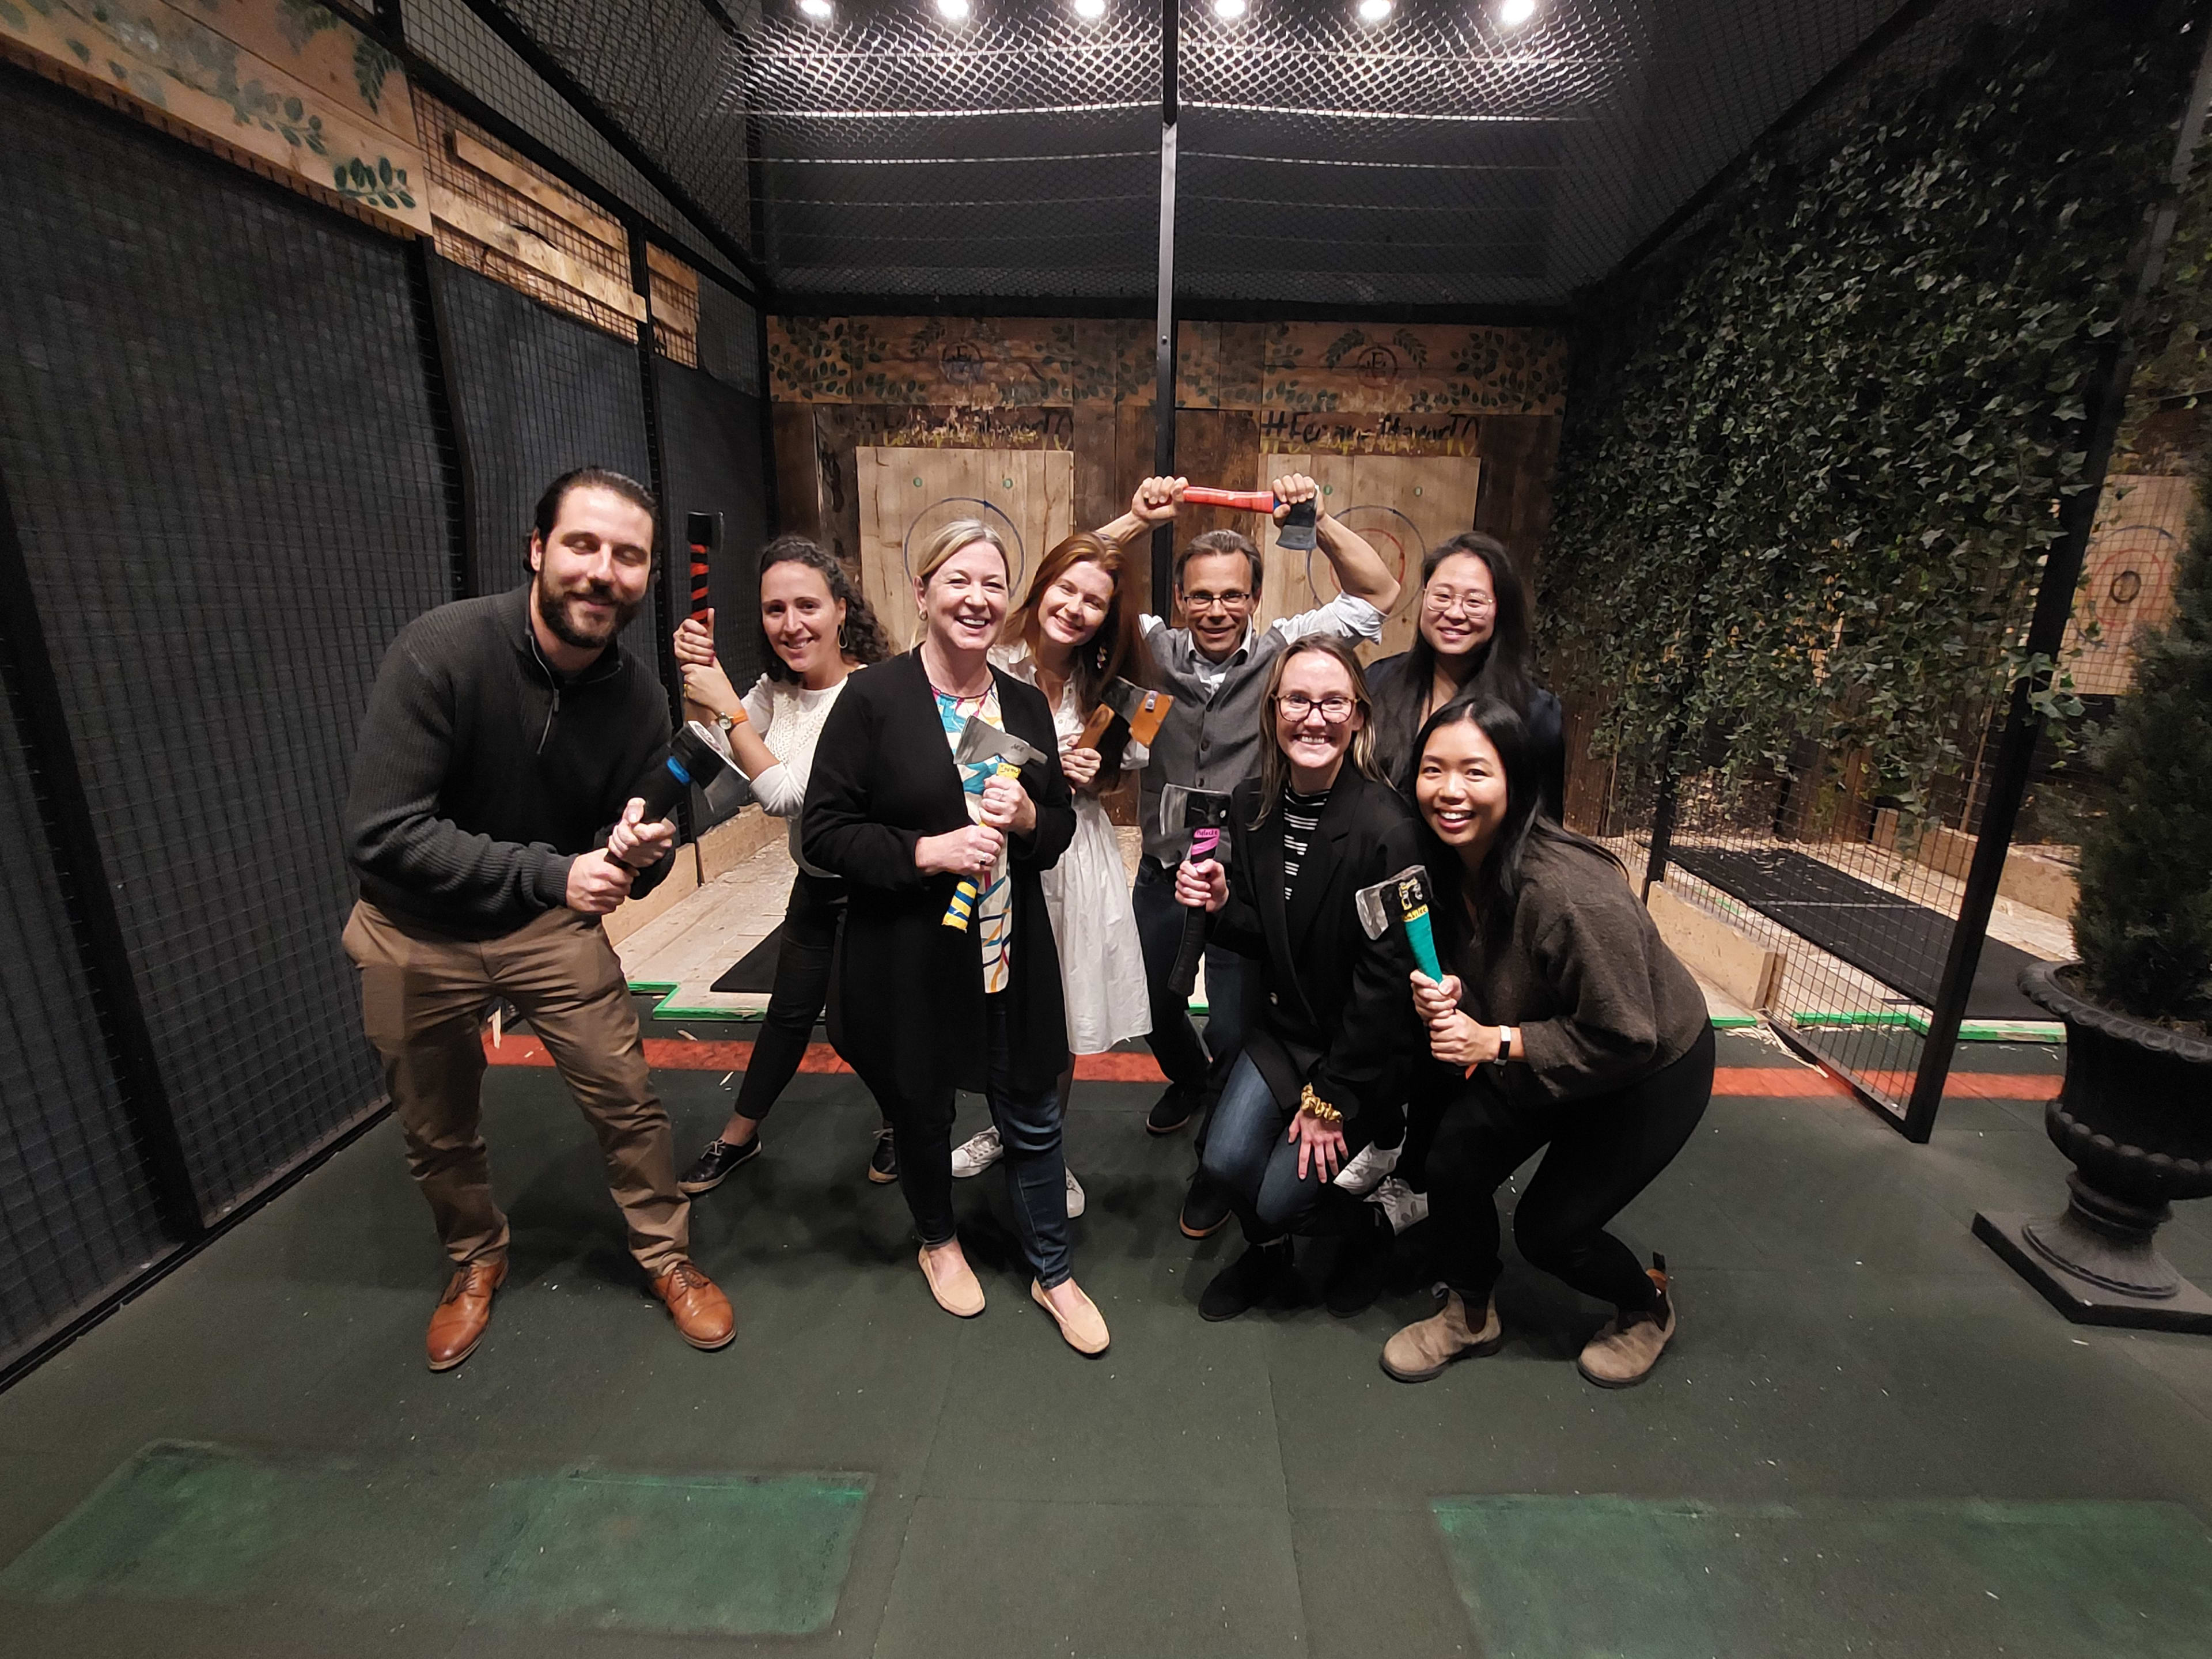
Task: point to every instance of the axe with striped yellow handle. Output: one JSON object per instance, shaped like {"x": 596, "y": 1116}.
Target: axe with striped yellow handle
{"x": 981, "y": 741}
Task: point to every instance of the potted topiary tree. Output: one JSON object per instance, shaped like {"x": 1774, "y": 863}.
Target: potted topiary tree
{"x": 2134, "y": 1114}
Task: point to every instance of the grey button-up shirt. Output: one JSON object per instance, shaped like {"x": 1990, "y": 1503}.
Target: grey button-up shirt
{"x": 1211, "y": 739}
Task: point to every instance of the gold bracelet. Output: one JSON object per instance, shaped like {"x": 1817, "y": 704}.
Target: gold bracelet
{"x": 1312, "y": 1103}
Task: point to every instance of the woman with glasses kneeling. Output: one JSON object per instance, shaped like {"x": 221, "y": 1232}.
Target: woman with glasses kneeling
{"x": 926, "y": 1005}
{"x": 1322, "y": 1071}
{"x": 1567, "y": 1028}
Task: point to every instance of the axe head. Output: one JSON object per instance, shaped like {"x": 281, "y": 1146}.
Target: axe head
{"x": 1402, "y": 895}
{"x": 1144, "y": 710}
{"x": 980, "y": 740}
{"x": 1184, "y": 809}
{"x": 1296, "y": 534}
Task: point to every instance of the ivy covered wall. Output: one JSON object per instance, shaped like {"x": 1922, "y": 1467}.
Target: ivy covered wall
{"x": 1813, "y": 452}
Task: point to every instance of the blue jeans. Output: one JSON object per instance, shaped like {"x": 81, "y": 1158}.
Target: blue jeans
{"x": 1189, "y": 1063}
{"x": 1248, "y": 1158}
{"x": 1028, "y": 1125}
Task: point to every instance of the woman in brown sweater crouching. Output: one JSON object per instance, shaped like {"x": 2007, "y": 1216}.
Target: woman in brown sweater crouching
{"x": 1567, "y": 1025}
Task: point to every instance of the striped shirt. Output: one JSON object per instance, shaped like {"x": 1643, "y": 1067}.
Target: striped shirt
{"x": 1301, "y": 817}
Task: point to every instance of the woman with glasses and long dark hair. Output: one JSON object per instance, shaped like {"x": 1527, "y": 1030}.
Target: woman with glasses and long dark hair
{"x": 1564, "y": 1026}
{"x": 1470, "y": 640}
{"x": 815, "y": 629}
{"x": 1323, "y": 1071}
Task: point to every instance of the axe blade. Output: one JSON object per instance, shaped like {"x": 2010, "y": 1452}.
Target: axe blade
{"x": 1183, "y": 809}
{"x": 980, "y": 740}
{"x": 1142, "y": 709}
{"x": 1296, "y": 533}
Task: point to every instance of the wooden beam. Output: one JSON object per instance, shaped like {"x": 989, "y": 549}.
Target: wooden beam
{"x": 525, "y": 181}
{"x": 482, "y": 225}
{"x": 667, "y": 265}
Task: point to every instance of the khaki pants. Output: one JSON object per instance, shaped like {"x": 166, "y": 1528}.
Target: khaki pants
{"x": 422, "y": 995}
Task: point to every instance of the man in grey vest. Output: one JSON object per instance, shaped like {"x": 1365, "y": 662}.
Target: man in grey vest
{"x": 1217, "y": 665}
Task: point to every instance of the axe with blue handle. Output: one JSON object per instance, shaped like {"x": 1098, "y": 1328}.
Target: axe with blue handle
{"x": 981, "y": 741}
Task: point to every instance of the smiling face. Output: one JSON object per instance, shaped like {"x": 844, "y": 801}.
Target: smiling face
{"x": 593, "y": 572}
{"x": 800, "y": 616}
{"x": 1075, "y": 604}
{"x": 1218, "y": 601}
{"x": 964, "y": 600}
{"x": 1460, "y": 786}
{"x": 1316, "y": 716}
{"x": 1459, "y": 606}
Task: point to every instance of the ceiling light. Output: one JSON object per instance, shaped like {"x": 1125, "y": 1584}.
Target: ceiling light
{"x": 1090, "y": 10}
{"x": 956, "y": 11}
{"x": 1229, "y": 10}
{"x": 1374, "y": 11}
{"x": 1513, "y": 13}
{"x": 817, "y": 9}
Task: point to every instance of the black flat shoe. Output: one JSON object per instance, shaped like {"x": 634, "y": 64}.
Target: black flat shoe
{"x": 1204, "y": 1209}
{"x": 883, "y": 1163}
{"x": 714, "y": 1165}
{"x": 1264, "y": 1272}
{"x": 1171, "y": 1111}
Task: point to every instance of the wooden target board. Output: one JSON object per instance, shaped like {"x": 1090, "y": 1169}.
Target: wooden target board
{"x": 1027, "y": 495}
{"x": 1404, "y": 505}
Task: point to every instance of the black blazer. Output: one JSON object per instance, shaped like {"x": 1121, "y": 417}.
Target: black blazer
{"x": 1398, "y": 702}
{"x": 1339, "y": 1011}
{"x": 908, "y": 1012}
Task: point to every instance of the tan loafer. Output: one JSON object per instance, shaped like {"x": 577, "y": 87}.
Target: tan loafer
{"x": 1425, "y": 1348}
{"x": 957, "y": 1289}
{"x": 464, "y": 1313}
{"x": 1085, "y": 1328}
{"x": 702, "y": 1313}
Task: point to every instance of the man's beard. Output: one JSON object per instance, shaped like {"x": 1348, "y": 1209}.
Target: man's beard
{"x": 553, "y": 610}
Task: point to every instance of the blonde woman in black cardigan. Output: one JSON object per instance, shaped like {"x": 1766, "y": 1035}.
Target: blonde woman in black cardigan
{"x": 1564, "y": 1026}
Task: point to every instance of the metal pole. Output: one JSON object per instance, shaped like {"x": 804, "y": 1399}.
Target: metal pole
{"x": 1164, "y": 391}
{"x": 1662, "y": 826}
{"x": 664, "y": 541}
{"x": 2046, "y": 631}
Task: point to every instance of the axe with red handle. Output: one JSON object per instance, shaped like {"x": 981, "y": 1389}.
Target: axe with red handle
{"x": 1295, "y": 533}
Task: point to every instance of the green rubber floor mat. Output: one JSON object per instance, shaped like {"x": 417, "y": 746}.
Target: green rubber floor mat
{"x": 718, "y": 1555}
{"x": 1582, "y": 1578}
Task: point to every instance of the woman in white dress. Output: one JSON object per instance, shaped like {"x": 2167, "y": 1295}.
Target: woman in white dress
{"x": 1074, "y": 633}
{"x": 816, "y": 630}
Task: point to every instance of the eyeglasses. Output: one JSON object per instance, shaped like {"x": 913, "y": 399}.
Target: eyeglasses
{"x": 1206, "y": 601}
{"x": 1335, "y": 709}
{"x": 1473, "y": 604}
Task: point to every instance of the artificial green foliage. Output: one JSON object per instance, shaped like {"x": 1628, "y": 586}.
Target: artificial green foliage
{"x": 1811, "y": 458}
{"x": 2143, "y": 923}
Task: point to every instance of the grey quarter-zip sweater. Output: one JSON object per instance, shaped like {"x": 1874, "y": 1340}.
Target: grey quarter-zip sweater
{"x": 482, "y": 772}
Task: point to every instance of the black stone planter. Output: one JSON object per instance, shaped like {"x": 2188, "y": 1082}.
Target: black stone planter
{"x": 2135, "y": 1118}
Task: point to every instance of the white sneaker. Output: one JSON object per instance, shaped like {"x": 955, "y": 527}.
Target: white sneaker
{"x": 1074, "y": 1196}
{"x": 976, "y": 1154}
{"x": 1365, "y": 1169}
{"x": 1400, "y": 1202}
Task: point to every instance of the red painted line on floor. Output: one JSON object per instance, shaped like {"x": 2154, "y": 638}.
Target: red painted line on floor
{"x": 1737, "y": 1082}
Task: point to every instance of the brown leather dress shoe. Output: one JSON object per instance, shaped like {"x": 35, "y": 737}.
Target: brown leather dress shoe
{"x": 463, "y": 1313}
{"x": 702, "y": 1313}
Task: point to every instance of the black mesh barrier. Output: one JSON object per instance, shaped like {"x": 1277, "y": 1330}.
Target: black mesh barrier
{"x": 76, "y": 1216}
{"x": 535, "y": 393}
{"x": 219, "y": 449}
{"x": 454, "y": 40}
{"x": 710, "y": 450}
{"x": 729, "y": 338}
{"x": 1422, "y": 155}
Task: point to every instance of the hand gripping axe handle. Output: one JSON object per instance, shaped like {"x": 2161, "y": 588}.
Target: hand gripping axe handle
{"x": 1296, "y": 534}
{"x": 1201, "y": 814}
{"x": 980, "y": 740}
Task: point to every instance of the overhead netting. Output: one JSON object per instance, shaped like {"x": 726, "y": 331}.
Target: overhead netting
{"x": 1434, "y": 156}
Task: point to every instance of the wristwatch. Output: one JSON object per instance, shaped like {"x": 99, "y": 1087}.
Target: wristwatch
{"x": 1506, "y": 1034}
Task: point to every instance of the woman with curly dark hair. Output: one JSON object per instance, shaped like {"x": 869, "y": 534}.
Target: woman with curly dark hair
{"x": 815, "y": 629}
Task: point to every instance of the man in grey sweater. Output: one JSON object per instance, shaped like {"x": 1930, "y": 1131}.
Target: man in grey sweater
{"x": 1216, "y": 666}
{"x": 492, "y": 822}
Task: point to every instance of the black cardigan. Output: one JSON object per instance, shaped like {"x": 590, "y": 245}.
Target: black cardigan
{"x": 1398, "y": 702}
{"x": 908, "y": 1012}
{"x": 1339, "y": 1006}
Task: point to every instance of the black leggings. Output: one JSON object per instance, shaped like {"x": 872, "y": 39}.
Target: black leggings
{"x": 1603, "y": 1152}
{"x": 810, "y": 921}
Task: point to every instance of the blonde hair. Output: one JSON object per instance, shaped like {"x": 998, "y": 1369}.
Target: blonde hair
{"x": 1274, "y": 769}
{"x": 949, "y": 538}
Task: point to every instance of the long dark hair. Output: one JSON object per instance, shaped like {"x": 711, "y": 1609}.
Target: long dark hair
{"x": 1498, "y": 884}
{"x": 1274, "y": 769}
{"x": 1117, "y": 650}
{"x": 1501, "y": 662}
{"x": 861, "y": 638}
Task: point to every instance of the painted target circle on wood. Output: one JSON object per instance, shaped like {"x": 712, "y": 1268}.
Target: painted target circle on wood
{"x": 1396, "y": 537}
{"x": 943, "y": 511}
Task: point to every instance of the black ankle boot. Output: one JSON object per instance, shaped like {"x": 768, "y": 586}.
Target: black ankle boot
{"x": 1262, "y": 1271}
{"x": 1362, "y": 1259}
